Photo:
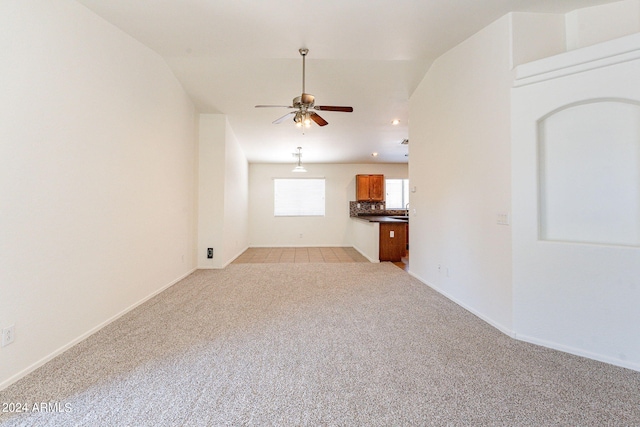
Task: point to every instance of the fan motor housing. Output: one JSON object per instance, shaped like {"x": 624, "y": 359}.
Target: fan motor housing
{"x": 306, "y": 100}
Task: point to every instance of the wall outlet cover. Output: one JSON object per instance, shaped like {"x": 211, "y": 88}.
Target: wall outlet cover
{"x": 8, "y": 335}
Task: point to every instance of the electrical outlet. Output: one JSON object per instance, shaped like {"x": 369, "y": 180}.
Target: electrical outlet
{"x": 8, "y": 335}
{"x": 209, "y": 253}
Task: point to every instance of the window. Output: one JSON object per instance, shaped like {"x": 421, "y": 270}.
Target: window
{"x": 397, "y": 195}
{"x": 298, "y": 197}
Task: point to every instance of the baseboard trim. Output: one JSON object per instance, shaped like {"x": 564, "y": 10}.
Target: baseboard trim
{"x": 532, "y": 340}
{"x": 578, "y": 352}
{"x": 26, "y": 371}
{"x": 224, "y": 265}
{"x": 235, "y": 257}
{"x": 498, "y": 326}
{"x": 375, "y": 261}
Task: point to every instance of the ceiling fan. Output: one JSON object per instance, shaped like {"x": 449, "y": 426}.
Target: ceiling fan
{"x": 305, "y": 104}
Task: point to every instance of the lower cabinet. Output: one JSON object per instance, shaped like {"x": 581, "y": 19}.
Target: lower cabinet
{"x": 393, "y": 241}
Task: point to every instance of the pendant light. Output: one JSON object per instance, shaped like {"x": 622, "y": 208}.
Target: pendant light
{"x": 299, "y": 167}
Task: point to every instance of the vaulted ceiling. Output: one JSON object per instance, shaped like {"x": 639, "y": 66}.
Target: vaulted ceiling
{"x": 231, "y": 55}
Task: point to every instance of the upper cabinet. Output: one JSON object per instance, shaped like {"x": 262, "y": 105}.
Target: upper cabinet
{"x": 370, "y": 188}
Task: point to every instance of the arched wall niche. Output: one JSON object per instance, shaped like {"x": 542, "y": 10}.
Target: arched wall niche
{"x": 589, "y": 173}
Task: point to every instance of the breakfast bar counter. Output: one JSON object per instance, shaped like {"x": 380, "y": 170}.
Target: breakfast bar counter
{"x": 380, "y": 237}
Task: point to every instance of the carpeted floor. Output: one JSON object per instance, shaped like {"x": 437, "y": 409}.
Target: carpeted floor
{"x": 353, "y": 344}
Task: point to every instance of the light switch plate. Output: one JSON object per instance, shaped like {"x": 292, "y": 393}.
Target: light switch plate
{"x": 503, "y": 218}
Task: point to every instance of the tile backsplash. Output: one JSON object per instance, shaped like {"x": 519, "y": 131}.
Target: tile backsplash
{"x": 356, "y": 208}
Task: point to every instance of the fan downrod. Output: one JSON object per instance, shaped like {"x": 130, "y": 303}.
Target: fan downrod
{"x": 303, "y": 51}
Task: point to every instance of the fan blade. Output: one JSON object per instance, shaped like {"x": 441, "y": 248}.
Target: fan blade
{"x": 332, "y": 108}
{"x": 283, "y": 118}
{"x": 319, "y": 120}
{"x": 271, "y": 106}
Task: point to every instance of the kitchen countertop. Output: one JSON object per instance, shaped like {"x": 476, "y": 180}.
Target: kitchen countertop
{"x": 382, "y": 218}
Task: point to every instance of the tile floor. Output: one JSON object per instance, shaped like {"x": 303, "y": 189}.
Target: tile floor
{"x": 276, "y": 255}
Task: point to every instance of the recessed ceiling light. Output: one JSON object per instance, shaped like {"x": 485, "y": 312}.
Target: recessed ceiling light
{"x": 395, "y": 122}
{"x": 374, "y": 154}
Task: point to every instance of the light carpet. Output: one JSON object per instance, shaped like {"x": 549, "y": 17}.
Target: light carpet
{"x": 320, "y": 345}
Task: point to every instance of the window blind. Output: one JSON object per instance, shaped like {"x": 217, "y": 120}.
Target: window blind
{"x": 299, "y": 196}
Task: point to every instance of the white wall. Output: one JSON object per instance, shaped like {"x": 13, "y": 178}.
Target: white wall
{"x": 222, "y": 193}
{"x": 591, "y": 25}
{"x": 579, "y": 297}
{"x": 236, "y": 198}
{"x": 365, "y": 238}
{"x": 576, "y": 297}
{"x": 331, "y": 230}
{"x": 97, "y": 184}
{"x": 211, "y": 189}
{"x": 588, "y": 169}
{"x": 529, "y": 43}
{"x": 460, "y": 163}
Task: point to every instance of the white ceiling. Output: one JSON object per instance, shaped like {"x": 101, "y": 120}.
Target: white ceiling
{"x": 231, "y": 55}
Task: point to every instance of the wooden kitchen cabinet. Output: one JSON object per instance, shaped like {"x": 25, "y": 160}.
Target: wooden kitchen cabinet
{"x": 370, "y": 188}
{"x": 393, "y": 248}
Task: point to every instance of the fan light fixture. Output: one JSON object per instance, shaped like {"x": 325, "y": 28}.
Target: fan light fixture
{"x": 299, "y": 167}
{"x": 302, "y": 119}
